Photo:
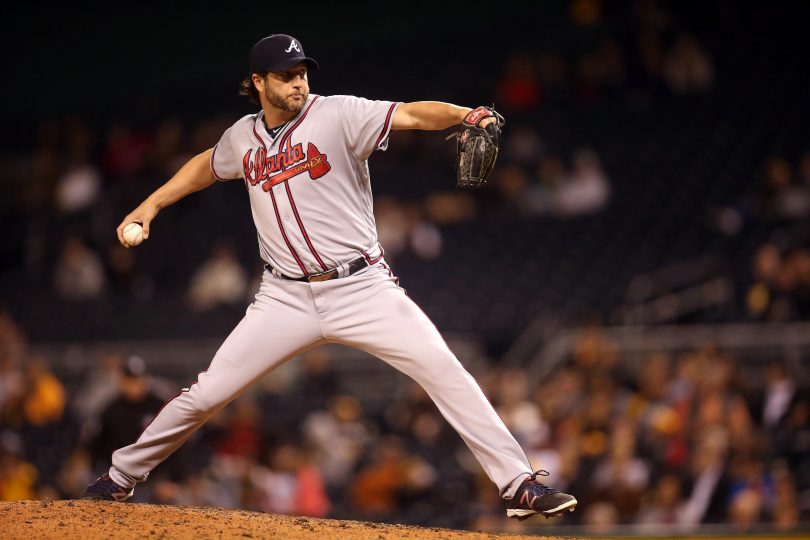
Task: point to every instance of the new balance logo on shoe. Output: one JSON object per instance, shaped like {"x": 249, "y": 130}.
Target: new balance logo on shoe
{"x": 525, "y": 499}
{"x": 532, "y": 497}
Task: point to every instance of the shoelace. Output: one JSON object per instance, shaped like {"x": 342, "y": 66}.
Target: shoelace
{"x": 109, "y": 486}
{"x": 537, "y": 473}
{"x": 538, "y": 487}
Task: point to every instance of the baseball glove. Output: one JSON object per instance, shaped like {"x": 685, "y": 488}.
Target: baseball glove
{"x": 477, "y": 147}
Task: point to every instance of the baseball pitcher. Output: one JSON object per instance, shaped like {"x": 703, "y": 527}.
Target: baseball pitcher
{"x": 303, "y": 159}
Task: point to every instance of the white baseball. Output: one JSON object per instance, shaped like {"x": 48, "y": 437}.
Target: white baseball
{"x": 133, "y": 234}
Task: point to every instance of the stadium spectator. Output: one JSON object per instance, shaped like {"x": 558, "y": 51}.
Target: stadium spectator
{"x": 168, "y": 153}
{"x": 791, "y": 441}
{"x": 13, "y": 348}
{"x": 290, "y": 484}
{"x": 519, "y": 90}
{"x": 426, "y": 237}
{"x": 767, "y": 262}
{"x": 338, "y": 438}
{"x": 447, "y": 208}
{"x": 317, "y": 381}
{"x": 18, "y": 478}
{"x": 240, "y": 435}
{"x": 407, "y": 228}
{"x": 585, "y": 189}
{"x": 601, "y": 518}
{"x": 688, "y": 68}
{"x": 552, "y": 72}
{"x": 123, "y": 420}
{"x": 221, "y": 280}
{"x": 100, "y": 387}
{"x": 393, "y": 225}
{"x": 661, "y": 512}
{"x": 520, "y": 415}
{"x": 123, "y": 277}
{"x": 771, "y": 406}
{"x": 125, "y": 151}
{"x": 78, "y": 188}
{"x": 773, "y": 190}
{"x": 391, "y": 475}
{"x": 44, "y": 396}
{"x": 49, "y": 433}
{"x": 707, "y": 478}
{"x": 621, "y": 476}
{"x": 79, "y": 274}
{"x": 786, "y": 509}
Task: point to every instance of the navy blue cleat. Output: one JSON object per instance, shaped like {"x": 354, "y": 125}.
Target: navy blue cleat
{"x": 532, "y": 497}
{"x": 104, "y": 489}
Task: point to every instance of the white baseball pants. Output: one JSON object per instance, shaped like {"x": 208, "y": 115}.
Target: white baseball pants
{"x": 367, "y": 311}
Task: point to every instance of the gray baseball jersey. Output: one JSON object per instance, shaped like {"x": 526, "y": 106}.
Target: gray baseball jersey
{"x": 309, "y": 186}
{"x": 310, "y": 195}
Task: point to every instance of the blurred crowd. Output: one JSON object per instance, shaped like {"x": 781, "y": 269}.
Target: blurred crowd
{"x": 779, "y": 286}
{"x": 69, "y": 189}
{"x": 596, "y": 61}
{"x": 676, "y": 442}
{"x": 63, "y": 219}
{"x": 775, "y": 282}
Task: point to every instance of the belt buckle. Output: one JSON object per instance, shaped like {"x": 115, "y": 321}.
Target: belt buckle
{"x": 323, "y": 276}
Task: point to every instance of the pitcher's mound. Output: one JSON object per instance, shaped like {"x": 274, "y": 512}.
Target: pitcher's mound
{"x": 90, "y": 520}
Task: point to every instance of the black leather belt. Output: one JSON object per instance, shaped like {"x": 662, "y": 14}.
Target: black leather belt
{"x": 354, "y": 266}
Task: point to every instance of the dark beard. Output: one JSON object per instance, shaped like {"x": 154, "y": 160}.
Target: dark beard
{"x": 277, "y": 100}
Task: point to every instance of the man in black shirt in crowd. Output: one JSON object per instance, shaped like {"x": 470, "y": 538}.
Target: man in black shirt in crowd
{"x": 128, "y": 415}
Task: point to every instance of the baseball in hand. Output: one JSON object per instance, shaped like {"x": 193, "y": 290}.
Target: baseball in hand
{"x": 133, "y": 234}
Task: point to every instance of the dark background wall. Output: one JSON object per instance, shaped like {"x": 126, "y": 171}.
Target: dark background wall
{"x": 108, "y": 59}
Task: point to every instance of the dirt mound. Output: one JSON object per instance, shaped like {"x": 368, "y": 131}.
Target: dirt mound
{"x": 90, "y": 520}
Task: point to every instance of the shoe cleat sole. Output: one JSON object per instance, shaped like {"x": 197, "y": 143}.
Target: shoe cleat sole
{"x": 570, "y": 506}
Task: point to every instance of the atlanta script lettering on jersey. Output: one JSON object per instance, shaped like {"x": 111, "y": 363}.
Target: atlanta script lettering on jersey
{"x": 283, "y": 165}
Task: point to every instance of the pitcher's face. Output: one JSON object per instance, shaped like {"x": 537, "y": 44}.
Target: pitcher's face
{"x": 287, "y": 90}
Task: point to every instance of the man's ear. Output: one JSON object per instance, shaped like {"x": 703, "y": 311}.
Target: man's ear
{"x": 258, "y": 82}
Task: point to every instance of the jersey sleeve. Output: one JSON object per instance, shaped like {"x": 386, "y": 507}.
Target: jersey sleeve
{"x": 366, "y": 124}
{"x": 224, "y": 163}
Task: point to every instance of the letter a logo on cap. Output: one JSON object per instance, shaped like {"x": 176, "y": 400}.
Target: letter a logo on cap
{"x": 293, "y": 45}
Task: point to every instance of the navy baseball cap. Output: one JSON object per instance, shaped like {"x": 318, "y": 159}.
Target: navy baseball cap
{"x": 278, "y": 52}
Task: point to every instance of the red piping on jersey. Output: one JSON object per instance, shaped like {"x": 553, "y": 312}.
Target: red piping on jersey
{"x": 275, "y": 208}
{"x": 377, "y": 259}
{"x": 284, "y": 234}
{"x": 396, "y": 282}
{"x": 180, "y": 393}
{"x": 211, "y": 164}
{"x": 255, "y": 121}
{"x": 301, "y": 226}
{"x": 385, "y": 126}
{"x": 295, "y": 125}
{"x": 284, "y": 139}
{"x": 390, "y": 273}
